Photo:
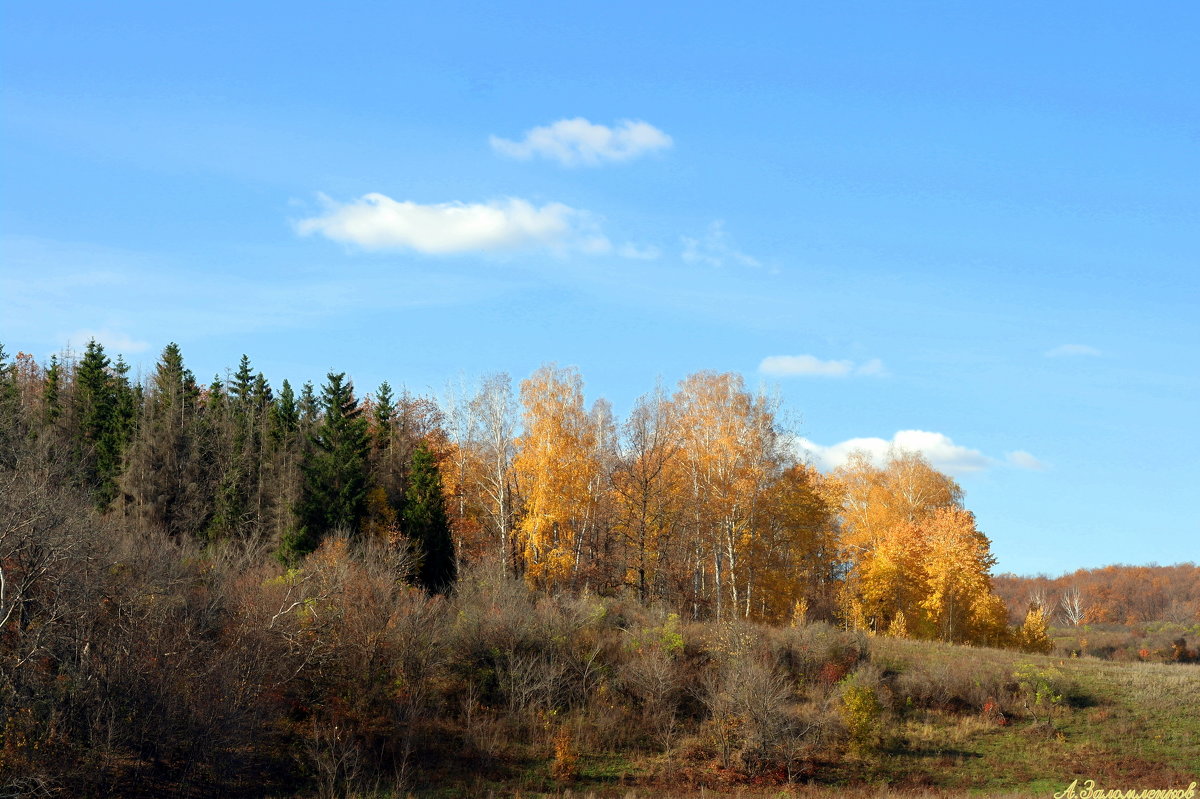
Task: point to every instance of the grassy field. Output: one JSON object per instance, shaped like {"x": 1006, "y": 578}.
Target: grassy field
{"x": 954, "y": 721}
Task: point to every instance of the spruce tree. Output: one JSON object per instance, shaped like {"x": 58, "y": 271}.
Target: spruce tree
{"x": 285, "y": 416}
{"x": 307, "y": 405}
{"x": 232, "y": 507}
{"x": 51, "y": 393}
{"x": 105, "y": 414}
{"x": 385, "y": 409}
{"x": 334, "y": 471}
{"x": 426, "y": 523}
{"x": 161, "y": 481}
{"x": 9, "y": 410}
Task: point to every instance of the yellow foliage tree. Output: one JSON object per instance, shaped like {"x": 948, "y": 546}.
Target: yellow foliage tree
{"x": 957, "y": 576}
{"x": 1034, "y": 633}
{"x": 559, "y": 475}
{"x": 914, "y": 550}
{"x": 794, "y": 550}
{"x": 730, "y": 451}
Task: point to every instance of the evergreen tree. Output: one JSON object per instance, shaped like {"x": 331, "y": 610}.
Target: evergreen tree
{"x": 385, "y": 410}
{"x": 334, "y": 471}
{"x": 51, "y": 400}
{"x": 426, "y": 523}
{"x": 242, "y": 384}
{"x": 242, "y": 499}
{"x": 163, "y": 481}
{"x": 285, "y": 416}
{"x": 9, "y": 409}
{"x": 127, "y": 403}
{"x": 307, "y": 405}
{"x": 104, "y": 418}
{"x": 282, "y": 464}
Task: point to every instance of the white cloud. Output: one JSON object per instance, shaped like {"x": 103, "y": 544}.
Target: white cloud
{"x": 377, "y": 222}
{"x": 1069, "y": 350}
{"x": 804, "y": 365}
{"x": 715, "y": 249}
{"x": 939, "y": 448}
{"x": 114, "y": 341}
{"x": 1023, "y": 460}
{"x": 871, "y": 368}
{"x": 632, "y": 251}
{"x": 811, "y": 366}
{"x": 578, "y": 141}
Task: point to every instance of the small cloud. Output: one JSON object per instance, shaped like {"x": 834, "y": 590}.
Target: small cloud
{"x": 636, "y": 253}
{"x": 811, "y": 366}
{"x": 871, "y": 368}
{"x": 377, "y": 222}
{"x": 715, "y": 249}
{"x": 577, "y": 141}
{"x": 114, "y": 341}
{"x": 1071, "y": 350}
{"x": 804, "y": 366}
{"x": 941, "y": 451}
{"x": 1023, "y": 460}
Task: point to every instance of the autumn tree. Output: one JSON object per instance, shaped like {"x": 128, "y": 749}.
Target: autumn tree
{"x": 557, "y": 468}
{"x": 959, "y": 602}
{"x": 794, "y": 551}
{"x": 1034, "y": 633}
{"x": 914, "y": 553}
{"x": 648, "y": 483}
{"x": 731, "y": 451}
{"x": 494, "y": 417}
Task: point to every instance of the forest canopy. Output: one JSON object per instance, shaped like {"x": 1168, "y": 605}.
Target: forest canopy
{"x": 700, "y": 499}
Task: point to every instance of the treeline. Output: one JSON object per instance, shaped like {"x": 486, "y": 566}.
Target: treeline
{"x": 1118, "y": 594}
{"x": 697, "y": 500}
{"x": 232, "y": 589}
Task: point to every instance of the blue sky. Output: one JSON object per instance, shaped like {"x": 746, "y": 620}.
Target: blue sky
{"x": 970, "y": 228}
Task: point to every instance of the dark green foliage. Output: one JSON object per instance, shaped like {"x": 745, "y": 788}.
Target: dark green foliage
{"x": 166, "y": 481}
{"x": 242, "y": 500}
{"x": 285, "y": 416}
{"x": 334, "y": 471}
{"x": 426, "y": 523}
{"x": 105, "y": 408}
{"x": 9, "y": 405}
{"x": 51, "y": 400}
{"x": 385, "y": 410}
{"x": 307, "y": 406}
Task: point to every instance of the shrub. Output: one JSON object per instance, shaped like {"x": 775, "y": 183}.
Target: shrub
{"x": 861, "y": 712}
{"x": 565, "y": 767}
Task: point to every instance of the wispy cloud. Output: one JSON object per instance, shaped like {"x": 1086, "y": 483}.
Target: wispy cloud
{"x": 377, "y": 222}
{"x": 65, "y": 293}
{"x": 715, "y": 249}
{"x": 1072, "y": 350}
{"x": 939, "y": 448}
{"x": 1023, "y": 460}
{"x": 811, "y": 366}
{"x": 577, "y": 141}
{"x": 639, "y": 253}
{"x": 114, "y": 341}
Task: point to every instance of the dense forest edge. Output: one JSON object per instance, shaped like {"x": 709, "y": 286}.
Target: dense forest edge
{"x": 237, "y": 589}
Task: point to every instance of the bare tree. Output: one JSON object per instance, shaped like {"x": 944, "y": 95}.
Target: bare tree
{"x": 1073, "y": 606}
{"x": 495, "y": 411}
